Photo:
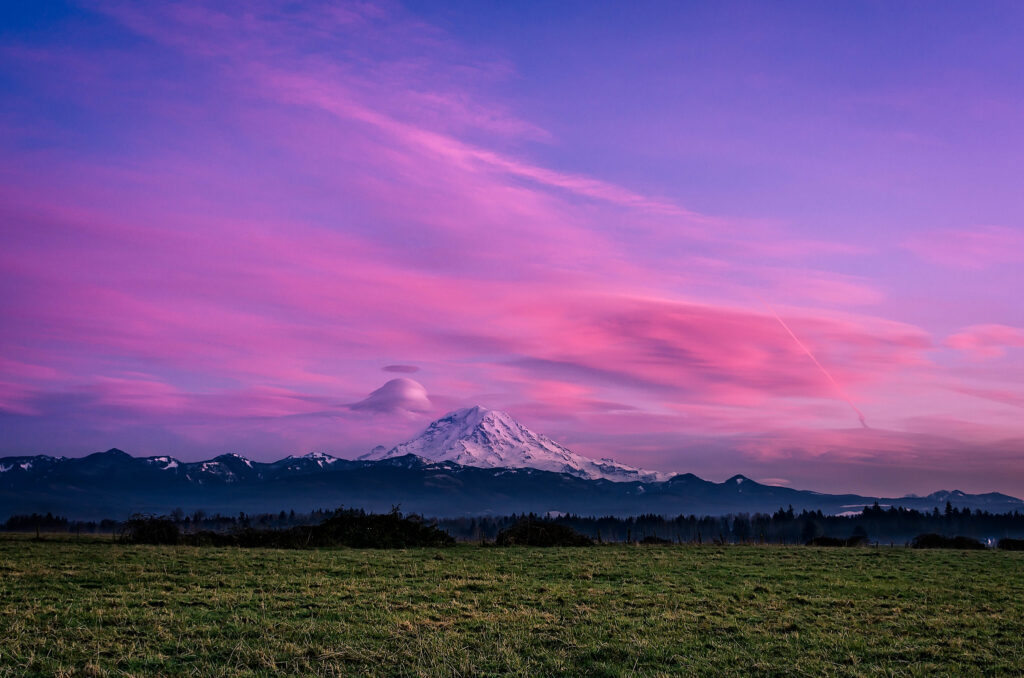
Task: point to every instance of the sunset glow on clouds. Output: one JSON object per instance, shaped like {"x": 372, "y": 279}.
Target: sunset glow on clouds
{"x": 230, "y": 229}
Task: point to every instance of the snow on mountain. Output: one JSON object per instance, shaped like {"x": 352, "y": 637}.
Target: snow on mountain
{"x": 321, "y": 458}
{"x": 485, "y": 438}
{"x": 163, "y": 463}
{"x": 317, "y": 459}
{"x": 28, "y": 464}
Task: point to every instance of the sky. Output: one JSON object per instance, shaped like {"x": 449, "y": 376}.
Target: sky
{"x": 778, "y": 239}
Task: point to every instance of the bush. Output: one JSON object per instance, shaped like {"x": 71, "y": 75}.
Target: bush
{"x": 651, "y": 540}
{"x": 355, "y": 529}
{"x": 1007, "y": 544}
{"x": 150, "y": 530}
{"x": 856, "y": 540}
{"x": 539, "y": 533}
{"x": 210, "y": 538}
{"x": 937, "y": 541}
{"x": 382, "y": 531}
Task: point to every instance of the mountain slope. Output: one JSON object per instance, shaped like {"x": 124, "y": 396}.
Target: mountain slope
{"x": 485, "y": 438}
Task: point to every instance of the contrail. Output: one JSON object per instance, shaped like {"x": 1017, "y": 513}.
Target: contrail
{"x": 839, "y": 389}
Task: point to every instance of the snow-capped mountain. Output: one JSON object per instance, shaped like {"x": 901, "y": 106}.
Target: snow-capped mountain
{"x": 484, "y": 438}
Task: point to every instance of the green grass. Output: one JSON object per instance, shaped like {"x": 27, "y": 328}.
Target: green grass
{"x": 84, "y": 607}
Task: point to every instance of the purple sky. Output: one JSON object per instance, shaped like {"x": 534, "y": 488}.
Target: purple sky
{"x": 690, "y": 237}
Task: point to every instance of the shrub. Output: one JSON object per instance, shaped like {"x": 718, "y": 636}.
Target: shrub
{"x": 655, "y": 541}
{"x": 1007, "y": 544}
{"x": 355, "y": 529}
{"x": 142, "y": 529}
{"x": 384, "y": 531}
{"x": 855, "y": 540}
{"x": 937, "y": 541}
{"x": 210, "y": 538}
{"x": 540, "y": 533}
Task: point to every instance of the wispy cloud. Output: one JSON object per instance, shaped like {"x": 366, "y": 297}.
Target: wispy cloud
{"x": 983, "y": 342}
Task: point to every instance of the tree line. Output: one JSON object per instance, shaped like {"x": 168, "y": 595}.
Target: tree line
{"x": 197, "y": 521}
{"x": 352, "y": 528}
{"x": 874, "y": 524}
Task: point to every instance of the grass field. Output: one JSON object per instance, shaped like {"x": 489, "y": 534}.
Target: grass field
{"x": 91, "y": 608}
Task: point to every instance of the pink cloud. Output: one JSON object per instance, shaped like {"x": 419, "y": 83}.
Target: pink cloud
{"x": 777, "y": 482}
{"x": 984, "y": 342}
{"x": 823, "y": 287}
{"x": 679, "y": 346}
{"x": 16, "y": 398}
{"x": 404, "y": 369}
{"x": 1004, "y": 396}
{"x": 970, "y": 248}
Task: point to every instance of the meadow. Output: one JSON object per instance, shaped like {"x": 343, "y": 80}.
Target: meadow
{"x": 91, "y": 607}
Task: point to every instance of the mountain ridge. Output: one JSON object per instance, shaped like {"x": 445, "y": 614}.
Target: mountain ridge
{"x": 115, "y": 485}
{"x": 510, "y": 469}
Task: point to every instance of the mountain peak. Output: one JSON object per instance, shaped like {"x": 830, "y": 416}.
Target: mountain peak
{"x": 477, "y": 436}
{"x": 108, "y": 456}
{"x": 321, "y": 459}
{"x": 471, "y": 416}
{"x": 232, "y": 460}
{"x": 320, "y": 456}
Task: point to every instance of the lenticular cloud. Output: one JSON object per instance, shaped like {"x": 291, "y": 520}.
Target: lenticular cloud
{"x": 396, "y": 396}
